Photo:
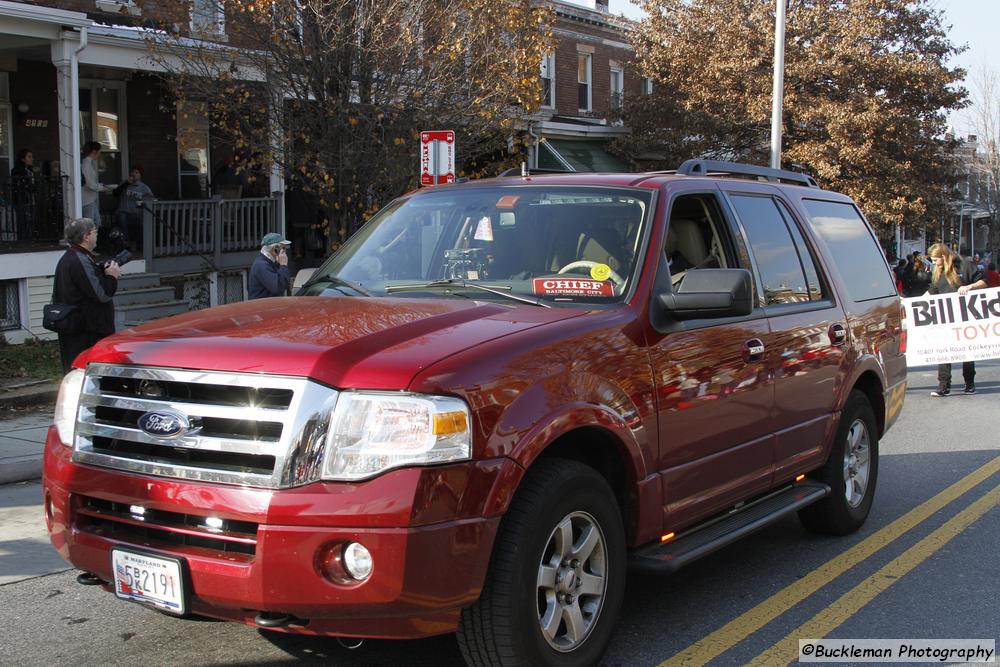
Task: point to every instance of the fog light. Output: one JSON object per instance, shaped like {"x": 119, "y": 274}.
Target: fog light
{"x": 357, "y": 561}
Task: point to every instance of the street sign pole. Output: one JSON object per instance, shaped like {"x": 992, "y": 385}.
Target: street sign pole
{"x": 437, "y": 157}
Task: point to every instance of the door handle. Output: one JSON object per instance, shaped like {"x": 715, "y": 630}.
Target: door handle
{"x": 753, "y": 350}
{"x": 838, "y": 334}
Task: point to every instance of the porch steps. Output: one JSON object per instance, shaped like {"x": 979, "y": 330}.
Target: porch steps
{"x": 140, "y": 298}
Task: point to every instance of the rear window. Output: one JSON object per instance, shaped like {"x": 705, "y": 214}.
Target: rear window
{"x": 854, "y": 249}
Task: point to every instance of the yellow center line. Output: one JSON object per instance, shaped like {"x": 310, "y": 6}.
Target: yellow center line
{"x": 715, "y": 644}
{"x": 853, "y": 600}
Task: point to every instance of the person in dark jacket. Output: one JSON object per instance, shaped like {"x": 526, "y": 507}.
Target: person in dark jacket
{"x": 83, "y": 282}
{"x": 953, "y": 274}
{"x": 269, "y": 272}
{"x": 23, "y": 191}
{"x": 916, "y": 277}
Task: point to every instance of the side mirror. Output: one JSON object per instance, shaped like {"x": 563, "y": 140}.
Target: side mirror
{"x": 709, "y": 293}
{"x": 301, "y": 278}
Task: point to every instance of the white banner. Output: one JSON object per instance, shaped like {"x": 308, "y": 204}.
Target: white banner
{"x": 949, "y": 328}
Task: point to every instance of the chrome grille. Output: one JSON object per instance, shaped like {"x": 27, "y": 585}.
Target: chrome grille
{"x": 246, "y": 429}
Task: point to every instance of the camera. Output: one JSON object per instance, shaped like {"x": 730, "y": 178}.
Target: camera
{"x": 122, "y": 258}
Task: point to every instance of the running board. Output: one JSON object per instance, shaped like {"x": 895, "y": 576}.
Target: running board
{"x": 704, "y": 539}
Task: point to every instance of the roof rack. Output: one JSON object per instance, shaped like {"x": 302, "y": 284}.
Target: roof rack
{"x": 705, "y": 167}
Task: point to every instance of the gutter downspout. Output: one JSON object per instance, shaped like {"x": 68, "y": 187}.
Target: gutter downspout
{"x": 74, "y": 78}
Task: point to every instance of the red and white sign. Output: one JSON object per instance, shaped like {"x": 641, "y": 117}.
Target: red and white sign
{"x": 949, "y": 328}
{"x": 437, "y": 157}
{"x": 573, "y": 286}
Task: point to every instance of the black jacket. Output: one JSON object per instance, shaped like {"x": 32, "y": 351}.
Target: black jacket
{"x": 80, "y": 281}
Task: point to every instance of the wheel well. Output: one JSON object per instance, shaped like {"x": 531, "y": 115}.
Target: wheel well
{"x": 601, "y": 451}
{"x": 869, "y": 384}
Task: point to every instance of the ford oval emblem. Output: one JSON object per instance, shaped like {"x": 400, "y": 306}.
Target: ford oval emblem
{"x": 164, "y": 424}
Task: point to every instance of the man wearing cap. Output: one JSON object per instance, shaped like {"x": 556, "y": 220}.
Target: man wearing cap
{"x": 269, "y": 272}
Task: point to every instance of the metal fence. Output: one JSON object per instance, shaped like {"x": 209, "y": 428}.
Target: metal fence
{"x": 33, "y": 211}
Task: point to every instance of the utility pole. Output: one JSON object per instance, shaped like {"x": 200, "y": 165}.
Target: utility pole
{"x": 778, "y": 90}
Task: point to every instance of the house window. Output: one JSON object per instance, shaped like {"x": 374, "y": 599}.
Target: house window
{"x": 192, "y": 149}
{"x": 208, "y": 17}
{"x": 548, "y": 79}
{"x": 10, "y": 306}
{"x": 617, "y": 88}
{"x": 647, "y": 85}
{"x": 583, "y": 73}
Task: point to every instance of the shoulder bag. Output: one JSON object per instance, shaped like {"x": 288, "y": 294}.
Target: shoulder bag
{"x": 58, "y": 317}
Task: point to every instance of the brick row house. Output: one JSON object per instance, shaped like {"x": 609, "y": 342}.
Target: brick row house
{"x": 73, "y": 71}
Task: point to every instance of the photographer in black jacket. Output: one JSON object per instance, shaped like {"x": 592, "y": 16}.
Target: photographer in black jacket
{"x": 82, "y": 281}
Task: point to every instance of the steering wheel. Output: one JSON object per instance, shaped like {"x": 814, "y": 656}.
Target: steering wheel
{"x": 587, "y": 264}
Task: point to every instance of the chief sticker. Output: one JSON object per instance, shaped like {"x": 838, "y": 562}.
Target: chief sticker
{"x": 600, "y": 272}
{"x": 484, "y": 230}
{"x": 573, "y": 287}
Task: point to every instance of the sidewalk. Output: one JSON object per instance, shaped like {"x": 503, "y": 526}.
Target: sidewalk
{"x": 22, "y": 434}
{"x": 22, "y": 440}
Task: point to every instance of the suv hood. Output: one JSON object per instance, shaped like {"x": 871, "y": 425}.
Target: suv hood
{"x": 347, "y": 342}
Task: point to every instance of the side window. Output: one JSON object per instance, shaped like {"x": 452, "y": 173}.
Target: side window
{"x": 854, "y": 249}
{"x": 771, "y": 244}
{"x": 695, "y": 236}
{"x": 813, "y": 283}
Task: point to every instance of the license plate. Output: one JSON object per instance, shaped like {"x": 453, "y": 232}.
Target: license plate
{"x": 152, "y": 580}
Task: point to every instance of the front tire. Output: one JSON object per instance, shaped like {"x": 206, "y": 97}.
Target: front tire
{"x": 557, "y": 576}
{"x": 851, "y": 471}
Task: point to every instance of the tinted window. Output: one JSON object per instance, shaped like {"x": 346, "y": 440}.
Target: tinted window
{"x": 854, "y": 249}
{"x": 805, "y": 256}
{"x": 772, "y": 246}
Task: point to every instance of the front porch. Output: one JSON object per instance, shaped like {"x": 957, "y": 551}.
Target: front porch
{"x": 66, "y": 79}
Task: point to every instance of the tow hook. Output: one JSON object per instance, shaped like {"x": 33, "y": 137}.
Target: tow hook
{"x": 350, "y": 643}
{"x": 270, "y": 619}
{"x": 89, "y": 579}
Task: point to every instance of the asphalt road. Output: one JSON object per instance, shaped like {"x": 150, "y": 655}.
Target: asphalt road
{"x": 924, "y": 566}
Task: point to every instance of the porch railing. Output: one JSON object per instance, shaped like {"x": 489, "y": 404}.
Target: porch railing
{"x": 196, "y": 235}
{"x": 32, "y": 211}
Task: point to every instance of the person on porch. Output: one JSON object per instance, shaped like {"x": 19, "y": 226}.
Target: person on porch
{"x": 23, "y": 191}
{"x": 128, "y": 218}
{"x": 91, "y": 185}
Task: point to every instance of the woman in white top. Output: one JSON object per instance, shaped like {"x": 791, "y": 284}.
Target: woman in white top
{"x": 91, "y": 182}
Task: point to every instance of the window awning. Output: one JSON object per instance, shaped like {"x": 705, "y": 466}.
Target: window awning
{"x": 567, "y": 155}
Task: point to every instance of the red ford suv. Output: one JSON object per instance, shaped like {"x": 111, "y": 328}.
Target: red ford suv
{"x": 496, "y": 397}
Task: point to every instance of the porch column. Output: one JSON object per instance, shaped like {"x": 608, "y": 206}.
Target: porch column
{"x": 277, "y": 183}
{"x": 68, "y": 104}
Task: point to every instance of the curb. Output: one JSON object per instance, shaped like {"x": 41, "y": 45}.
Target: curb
{"x": 32, "y": 395}
{"x": 20, "y": 469}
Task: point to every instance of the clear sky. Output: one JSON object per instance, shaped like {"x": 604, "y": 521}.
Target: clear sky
{"x": 974, "y": 23}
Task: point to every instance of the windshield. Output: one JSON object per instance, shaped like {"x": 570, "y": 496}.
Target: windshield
{"x": 549, "y": 244}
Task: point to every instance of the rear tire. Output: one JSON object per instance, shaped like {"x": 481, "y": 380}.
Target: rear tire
{"x": 557, "y": 575}
{"x": 851, "y": 472}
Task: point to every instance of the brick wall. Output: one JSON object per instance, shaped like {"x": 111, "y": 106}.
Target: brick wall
{"x": 601, "y": 58}
{"x": 34, "y": 84}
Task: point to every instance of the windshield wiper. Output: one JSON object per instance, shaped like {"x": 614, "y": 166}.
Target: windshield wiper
{"x": 457, "y": 282}
{"x": 337, "y": 283}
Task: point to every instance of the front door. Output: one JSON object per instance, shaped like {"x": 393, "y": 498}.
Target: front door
{"x": 102, "y": 119}
{"x": 714, "y": 395}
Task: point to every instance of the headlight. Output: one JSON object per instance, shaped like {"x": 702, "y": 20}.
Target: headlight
{"x": 66, "y": 405}
{"x": 371, "y": 433}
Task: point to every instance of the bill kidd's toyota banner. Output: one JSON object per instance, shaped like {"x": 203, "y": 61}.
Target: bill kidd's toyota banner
{"x": 948, "y": 328}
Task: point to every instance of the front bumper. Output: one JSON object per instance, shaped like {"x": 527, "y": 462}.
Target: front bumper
{"x": 425, "y": 528}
